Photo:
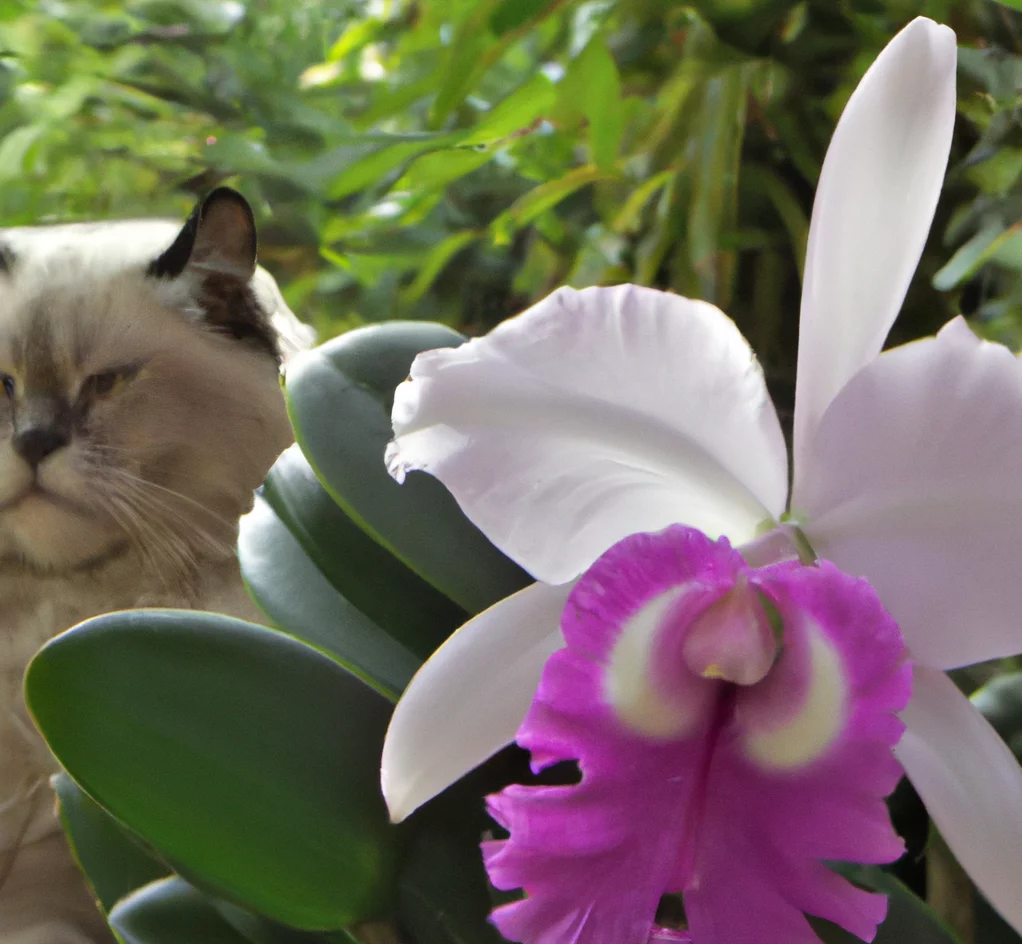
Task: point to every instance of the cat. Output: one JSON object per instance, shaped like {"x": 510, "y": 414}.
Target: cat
{"x": 140, "y": 407}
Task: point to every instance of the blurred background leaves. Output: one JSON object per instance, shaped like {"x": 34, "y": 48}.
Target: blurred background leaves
{"x": 456, "y": 160}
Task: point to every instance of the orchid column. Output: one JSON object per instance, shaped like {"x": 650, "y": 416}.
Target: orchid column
{"x": 604, "y": 413}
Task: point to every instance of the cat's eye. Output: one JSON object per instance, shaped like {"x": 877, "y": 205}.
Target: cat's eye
{"x": 8, "y": 382}
{"x": 107, "y": 382}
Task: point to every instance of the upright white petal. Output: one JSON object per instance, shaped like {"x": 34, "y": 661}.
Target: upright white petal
{"x": 915, "y": 482}
{"x": 469, "y": 699}
{"x": 592, "y": 416}
{"x": 971, "y": 785}
{"x": 874, "y": 204}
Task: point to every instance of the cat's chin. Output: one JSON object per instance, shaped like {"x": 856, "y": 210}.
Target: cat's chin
{"x": 49, "y": 533}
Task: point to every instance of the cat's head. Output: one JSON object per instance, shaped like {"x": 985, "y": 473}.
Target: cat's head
{"x": 141, "y": 402}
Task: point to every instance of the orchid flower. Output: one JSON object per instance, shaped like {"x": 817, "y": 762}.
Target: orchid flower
{"x": 724, "y": 756}
{"x": 605, "y": 413}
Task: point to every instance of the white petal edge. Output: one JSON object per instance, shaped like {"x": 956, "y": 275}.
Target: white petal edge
{"x": 470, "y": 697}
{"x": 915, "y": 482}
{"x": 874, "y": 204}
{"x": 971, "y": 785}
{"x": 594, "y": 415}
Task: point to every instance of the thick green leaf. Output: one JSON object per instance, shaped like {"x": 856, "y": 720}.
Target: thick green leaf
{"x": 909, "y": 920}
{"x": 395, "y": 598}
{"x": 114, "y": 861}
{"x": 293, "y": 592}
{"x": 339, "y": 397}
{"x": 247, "y": 759}
{"x": 171, "y": 912}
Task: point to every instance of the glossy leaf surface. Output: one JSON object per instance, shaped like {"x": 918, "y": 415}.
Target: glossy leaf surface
{"x": 244, "y": 757}
{"x": 339, "y": 396}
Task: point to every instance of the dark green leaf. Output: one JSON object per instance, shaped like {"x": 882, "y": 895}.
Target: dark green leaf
{"x": 293, "y": 592}
{"x": 511, "y": 14}
{"x": 114, "y": 861}
{"x": 247, "y": 759}
{"x": 171, "y": 912}
{"x": 339, "y": 396}
{"x": 442, "y": 895}
{"x": 361, "y": 570}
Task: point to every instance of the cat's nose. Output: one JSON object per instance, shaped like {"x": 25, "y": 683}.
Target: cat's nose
{"x": 37, "y": 442}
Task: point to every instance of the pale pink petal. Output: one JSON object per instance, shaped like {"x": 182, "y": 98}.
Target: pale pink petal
{"x": 915, "y": 482}
{"x": 971, "y": 785}
{"x": 596, "y": 414}
{"x": 469, "y": 698}
{"x": 874, "y": 203}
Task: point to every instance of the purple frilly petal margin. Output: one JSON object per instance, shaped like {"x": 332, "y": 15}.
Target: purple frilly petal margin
{"x": 744, "y": 845}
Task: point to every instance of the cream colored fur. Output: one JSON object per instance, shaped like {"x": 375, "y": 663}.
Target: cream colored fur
{"x": 140, "y": 509}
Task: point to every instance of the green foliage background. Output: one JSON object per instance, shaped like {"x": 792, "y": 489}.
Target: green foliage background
{"x": 454, "y": 160}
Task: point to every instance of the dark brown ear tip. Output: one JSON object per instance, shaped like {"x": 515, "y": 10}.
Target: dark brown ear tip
{"x": 230, "y": 195}
{"x": 227, "y": 202}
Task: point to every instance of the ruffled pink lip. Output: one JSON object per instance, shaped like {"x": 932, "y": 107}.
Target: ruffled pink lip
{"x": 741, "y": 795}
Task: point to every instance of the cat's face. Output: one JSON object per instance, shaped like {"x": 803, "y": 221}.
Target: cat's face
{"x": 140, "y": 403}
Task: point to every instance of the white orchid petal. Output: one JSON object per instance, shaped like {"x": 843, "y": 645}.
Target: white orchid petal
{"x": 915, "y": 482}
{"x": 877, "y": 193}
{"x": 971, "y": 785}
{"x": 471, "y": 696}
{"x": 592, "y": 416}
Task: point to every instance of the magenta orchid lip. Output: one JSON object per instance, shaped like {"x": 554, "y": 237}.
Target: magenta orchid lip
{"x": 755, "y": 787}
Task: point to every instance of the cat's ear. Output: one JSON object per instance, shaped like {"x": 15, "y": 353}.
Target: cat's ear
{"x": 217, "y": 246}
{"x": 219, "y": 236}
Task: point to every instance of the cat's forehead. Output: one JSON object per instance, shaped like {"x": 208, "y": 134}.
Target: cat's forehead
{"x": 74, "y": 291}
{"x": 102, "y": 247}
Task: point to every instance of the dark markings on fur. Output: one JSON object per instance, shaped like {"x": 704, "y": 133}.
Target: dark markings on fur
{"x": 171, "y": 263}
{"x": 230, "y": 307}
{"x": 6, "y": 258}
